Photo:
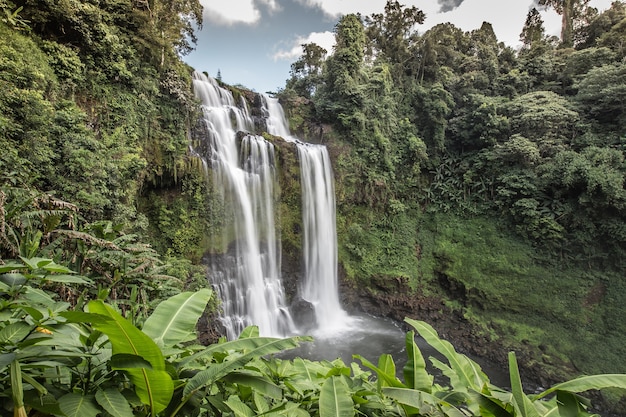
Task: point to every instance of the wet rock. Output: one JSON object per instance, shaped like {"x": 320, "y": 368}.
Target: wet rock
{"x": 303, "y": 314}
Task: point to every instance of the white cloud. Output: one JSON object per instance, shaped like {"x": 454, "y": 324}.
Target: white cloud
{"x": 324, "y": 39}
{"x": 336, "y": 8}
{"x": 236, "y": 11}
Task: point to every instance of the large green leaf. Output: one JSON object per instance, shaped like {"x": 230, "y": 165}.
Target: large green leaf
{"x": 250, "y": 331}
{"x": 36, "y": 263}
{"x": 254, "y": 348}
{"x": 412, "y": 398}
{"x": 15, "y": 332}
{"x": 76, "y": 405}
{"x": 415, "y": 374}
{"x": 127, "y": 361}
{"x": 154, "y": 387}
{"x": 46, "y": 264}
{"x": 82, "y": 317}
{"x": 244, "y": 345}
{"x": 258, "y": 383}
{"x": 260, "y": 403}
{"x": 491, "y": 405}
{"x": 10, "y": 266}
{"x": 12, "y": 279}
{"x": 523, "y": 404}
{"x": 6, "y": 359}
{"x": 586, "y": 383}
{"x": 385, "y": 378}
{"x": 238, "y": 407}
{"x": 47, "y": 404}
{"x": 114, "y": 403}
{"x": 569, "y": 404}
{"x": 68, "y": 279}
{"x": 306, "y": 375}
{"x": 174, "y": 320}
{"x": 335, "y": 399}
{"x": 469, "y": 373}
{"x": 305, "y": 369}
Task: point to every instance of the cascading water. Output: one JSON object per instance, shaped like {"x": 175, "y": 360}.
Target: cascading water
{"x": 319, "y": 246}
{"x": 247, "y": 278}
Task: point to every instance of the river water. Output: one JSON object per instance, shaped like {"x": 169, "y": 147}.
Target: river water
{"x": 361, "y": 334}
{"x": 370, "y": 337}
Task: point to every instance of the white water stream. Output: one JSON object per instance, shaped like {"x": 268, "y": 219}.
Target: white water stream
{"x": 248, "y": 278}
{"x": 319, "y": 246}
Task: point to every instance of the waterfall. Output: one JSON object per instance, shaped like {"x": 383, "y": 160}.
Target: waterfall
{"x": 319, "y": 246}
{"x": 247, "y": 277}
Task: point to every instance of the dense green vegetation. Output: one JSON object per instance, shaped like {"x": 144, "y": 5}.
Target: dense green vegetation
{"x": 490, "y": 178}
{"x": 95, "y": 110}
{"x": 103, "y": 364}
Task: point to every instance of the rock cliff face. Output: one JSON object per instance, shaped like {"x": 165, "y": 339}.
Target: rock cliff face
{"x": 392, "y": 298}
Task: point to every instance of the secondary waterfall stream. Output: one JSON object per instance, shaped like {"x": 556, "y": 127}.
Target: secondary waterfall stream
{"x": 319, "y": 246}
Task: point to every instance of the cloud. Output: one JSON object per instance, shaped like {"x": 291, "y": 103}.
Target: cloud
{"x": 324, "y": 39}
{"x": 232, "y": 12}
{"x": 448, "y": 5}
{"x": 334, "y": 8}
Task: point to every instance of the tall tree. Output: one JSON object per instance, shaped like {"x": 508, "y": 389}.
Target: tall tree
{"x": 342, "y": 89}
{"x": 390, "y": 33}
{"x": 533, "y": 30}
{"x": 570, "y": 11}
{"x": 306, "y": 71}
{"x": 442, "y": 49}
{"x": 173, "y": 23}
{"x": 608, "y": 29}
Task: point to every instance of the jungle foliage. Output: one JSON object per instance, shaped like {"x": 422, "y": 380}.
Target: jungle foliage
{"x": 104, "y": 364}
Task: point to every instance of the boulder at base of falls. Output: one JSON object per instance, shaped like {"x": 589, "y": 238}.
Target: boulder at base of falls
{"x": 303, "y": 314}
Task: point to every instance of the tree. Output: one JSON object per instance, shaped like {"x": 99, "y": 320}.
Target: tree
{"x": 341, "y": 96}
{"x": 601, "y": 26}
{"x": 306, "y": 71}
{"x": 571, "y": 11}
{"x": 390, "y": 34}
{"x": 160, "y": 29}
{"x": 433, "y": 105}
{"x": 602, "y": 94}
{"x": 533, "y": 30}
{"x": 614, "y": 37}
{"x": 174, "y": 21}
{"x": 484, "y": 51}
{"x": 543, "y": 117}
{"x": 441, "y": 50}
{"x": 478, "y": 123}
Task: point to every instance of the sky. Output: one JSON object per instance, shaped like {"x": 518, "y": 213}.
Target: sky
{"x": 254, "y": 42}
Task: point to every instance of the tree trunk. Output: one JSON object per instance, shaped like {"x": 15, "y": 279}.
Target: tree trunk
{"x": 567, "y": 24}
